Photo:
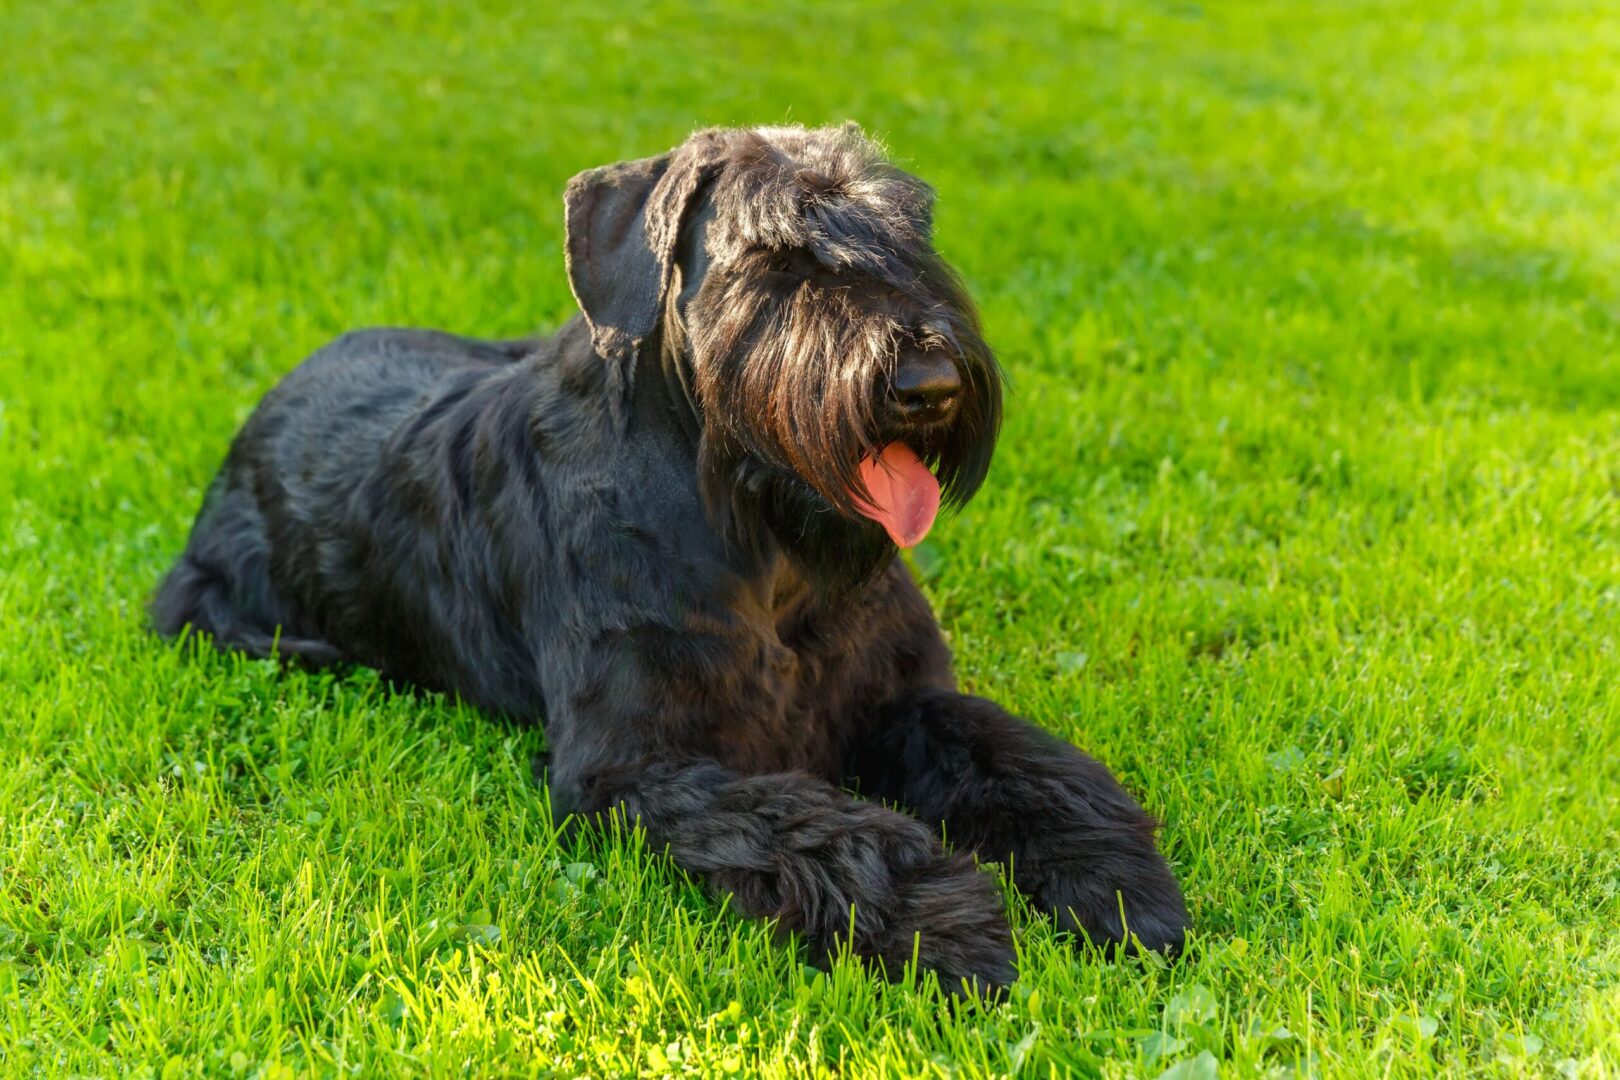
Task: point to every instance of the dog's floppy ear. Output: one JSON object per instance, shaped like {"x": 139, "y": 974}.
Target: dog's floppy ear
{"x": 623, "y": 221}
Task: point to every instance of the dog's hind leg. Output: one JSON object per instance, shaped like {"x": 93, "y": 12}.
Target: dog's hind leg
{"x": 834, "y": 869}
{"x": 220, "y": 587}
{"x": 1080, "y": 847}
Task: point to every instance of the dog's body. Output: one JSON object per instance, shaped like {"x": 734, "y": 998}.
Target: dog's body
{"x": 402, "y": 492}
{"x": 658, "y": 531}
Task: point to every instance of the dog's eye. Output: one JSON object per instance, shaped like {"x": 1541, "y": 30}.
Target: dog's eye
{"x": 789, "y": 261}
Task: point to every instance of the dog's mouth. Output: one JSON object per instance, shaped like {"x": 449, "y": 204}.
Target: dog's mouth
{"x": 904, "y": 495}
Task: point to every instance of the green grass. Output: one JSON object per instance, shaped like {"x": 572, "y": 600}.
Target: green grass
{"x": 1306, "y": 521}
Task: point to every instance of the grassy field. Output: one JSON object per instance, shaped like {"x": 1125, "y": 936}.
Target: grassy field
{"x": 1306, "y": 520}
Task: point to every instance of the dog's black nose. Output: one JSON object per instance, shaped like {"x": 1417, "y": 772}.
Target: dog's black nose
{"x": 926, "y": 386}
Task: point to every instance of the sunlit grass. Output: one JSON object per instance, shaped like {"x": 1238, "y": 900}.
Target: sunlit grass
{"x": 1305, "y": 521}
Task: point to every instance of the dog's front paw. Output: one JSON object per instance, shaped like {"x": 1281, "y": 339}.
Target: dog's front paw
{"x": 1117, "y": 908}
{"x": 951, "y": 918}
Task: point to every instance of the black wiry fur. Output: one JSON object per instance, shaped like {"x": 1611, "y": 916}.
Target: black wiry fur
{"x": 641, "y": 530}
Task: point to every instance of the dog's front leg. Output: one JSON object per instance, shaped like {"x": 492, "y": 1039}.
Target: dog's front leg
{"x": 1079, "y": 846}
{"x": 832, "y": 868}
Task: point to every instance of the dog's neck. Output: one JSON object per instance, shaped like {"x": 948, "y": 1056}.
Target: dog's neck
{"x": 768, "y": 520}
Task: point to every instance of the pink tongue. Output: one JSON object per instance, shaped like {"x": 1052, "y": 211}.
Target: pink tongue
{"x": 905, "y": 495}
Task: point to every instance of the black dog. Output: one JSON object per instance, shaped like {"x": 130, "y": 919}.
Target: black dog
{"x": 669, "y": 532}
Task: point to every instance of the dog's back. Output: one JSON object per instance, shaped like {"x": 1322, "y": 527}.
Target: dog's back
{"x": 440, "y": 508}
{"x": 294, "y": 461}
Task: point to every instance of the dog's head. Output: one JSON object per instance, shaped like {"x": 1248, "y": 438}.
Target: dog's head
{"x": 790, "y": 283}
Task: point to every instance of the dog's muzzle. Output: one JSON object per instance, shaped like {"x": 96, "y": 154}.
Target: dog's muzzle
{"x": 923, "y": 397}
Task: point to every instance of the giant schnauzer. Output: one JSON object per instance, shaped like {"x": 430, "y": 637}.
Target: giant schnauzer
{"x": 668, "y": 532}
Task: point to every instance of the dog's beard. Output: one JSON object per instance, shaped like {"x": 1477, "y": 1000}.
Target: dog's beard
{"x": 792, "y": 377}
{"x": 762, "y": 507}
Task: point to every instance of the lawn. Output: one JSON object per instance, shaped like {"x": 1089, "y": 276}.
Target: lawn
{"x": 1306, "y": 520}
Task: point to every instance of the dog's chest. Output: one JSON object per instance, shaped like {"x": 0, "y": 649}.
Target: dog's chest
{"x": 833, "y": 671}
